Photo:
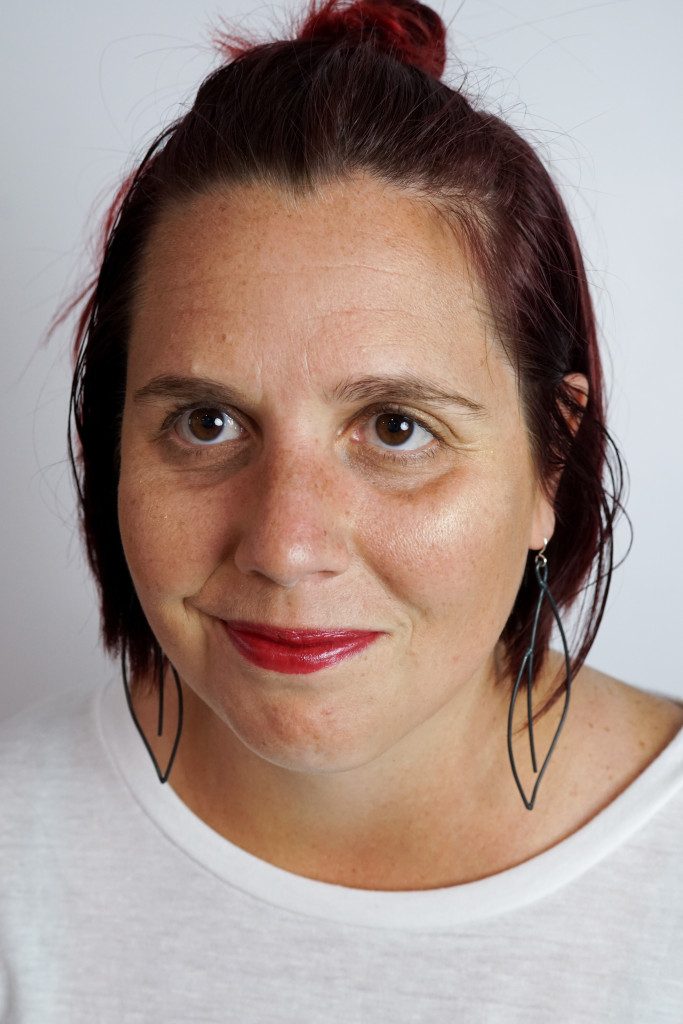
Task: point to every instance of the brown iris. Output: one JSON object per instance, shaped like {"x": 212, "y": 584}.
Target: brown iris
{"x": 393, "y": 428}
{"x": 206, "y": 424}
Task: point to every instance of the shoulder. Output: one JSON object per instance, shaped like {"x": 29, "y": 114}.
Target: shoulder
{"x": 47, "y": 719}
{"x": 46, "y": 750}
{"x": 632, "y": 724}
{"x": 614, "y": 732}
{"x": 58, "y": 792}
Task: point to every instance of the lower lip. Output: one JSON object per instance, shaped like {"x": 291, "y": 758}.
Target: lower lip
{"x": 294, "y": 652}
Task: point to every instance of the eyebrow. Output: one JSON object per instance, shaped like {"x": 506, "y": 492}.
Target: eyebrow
{"x": 404, "y": 387}
{"x": 187, "y": 389}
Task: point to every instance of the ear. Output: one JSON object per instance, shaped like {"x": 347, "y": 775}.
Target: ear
{"x": 578, "y": 385}
{"x": 543, "y": 519}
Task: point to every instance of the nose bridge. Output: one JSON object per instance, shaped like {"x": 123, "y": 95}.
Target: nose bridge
{"x": 296, "y": 526}
{"x": 296, "y": 484}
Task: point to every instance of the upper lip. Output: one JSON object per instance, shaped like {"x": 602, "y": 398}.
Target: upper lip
{"x": 300, "y": 636}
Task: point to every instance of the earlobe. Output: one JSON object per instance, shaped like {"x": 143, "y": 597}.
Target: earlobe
{"x": 543, "y": 523}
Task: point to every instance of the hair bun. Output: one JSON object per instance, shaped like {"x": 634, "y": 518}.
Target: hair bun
{"x": 410, "y": 31}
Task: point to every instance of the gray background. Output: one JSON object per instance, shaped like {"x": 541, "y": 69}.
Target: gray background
{"x": 85, "y": 85}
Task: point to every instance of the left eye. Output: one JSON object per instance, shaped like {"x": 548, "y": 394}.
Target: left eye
{"x": 395, "y": 430}
{"x": 207, "y": 426}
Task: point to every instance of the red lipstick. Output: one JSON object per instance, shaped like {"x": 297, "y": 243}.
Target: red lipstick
{"x": 296, "y": 651}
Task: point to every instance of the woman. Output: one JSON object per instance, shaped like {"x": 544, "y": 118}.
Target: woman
{"x": 341, "y": 450}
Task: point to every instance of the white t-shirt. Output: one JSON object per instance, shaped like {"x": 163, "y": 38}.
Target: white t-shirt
{"x": 119, "y": 906}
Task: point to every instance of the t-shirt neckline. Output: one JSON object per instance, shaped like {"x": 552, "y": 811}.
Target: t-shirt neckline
{"x": 423, "y": 910}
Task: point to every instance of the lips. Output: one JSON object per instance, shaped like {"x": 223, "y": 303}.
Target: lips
{"x": 296, "y": 651}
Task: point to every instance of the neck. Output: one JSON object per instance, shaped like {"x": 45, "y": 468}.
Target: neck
{"x": 438, "y": 808}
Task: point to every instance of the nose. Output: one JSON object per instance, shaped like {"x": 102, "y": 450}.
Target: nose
{"x": 295, "y": 523}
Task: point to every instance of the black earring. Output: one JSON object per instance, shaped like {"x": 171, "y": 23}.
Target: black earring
{"x": 163, "y": 776}
{"x": 541, "y": 568}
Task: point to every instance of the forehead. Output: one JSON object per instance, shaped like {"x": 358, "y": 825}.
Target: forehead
{"x": 359, "y": 272}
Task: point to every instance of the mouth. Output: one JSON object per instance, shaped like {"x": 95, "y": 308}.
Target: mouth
{"x": 296, "y": 651}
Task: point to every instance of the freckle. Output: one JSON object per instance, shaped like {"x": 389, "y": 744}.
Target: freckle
{"x": 641, "y": 744}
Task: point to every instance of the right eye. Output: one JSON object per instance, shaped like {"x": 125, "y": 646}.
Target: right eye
{"x": 205, "y": 426}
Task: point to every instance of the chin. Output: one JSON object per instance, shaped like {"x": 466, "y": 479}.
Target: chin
{"x": 320, "y": 743}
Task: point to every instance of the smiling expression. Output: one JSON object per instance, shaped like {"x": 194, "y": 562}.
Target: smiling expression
{"x": 321, "y": 432}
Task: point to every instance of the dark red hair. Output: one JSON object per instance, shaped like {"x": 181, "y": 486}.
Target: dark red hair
{"x": 358, "y": 89}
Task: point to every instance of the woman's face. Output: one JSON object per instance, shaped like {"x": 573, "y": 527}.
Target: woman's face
{"x": 321, "y": 432}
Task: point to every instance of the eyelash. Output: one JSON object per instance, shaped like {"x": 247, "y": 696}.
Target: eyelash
{"x": 401, "y": 458}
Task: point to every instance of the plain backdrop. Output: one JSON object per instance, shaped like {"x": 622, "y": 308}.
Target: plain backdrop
{"x": 85, "y": 85}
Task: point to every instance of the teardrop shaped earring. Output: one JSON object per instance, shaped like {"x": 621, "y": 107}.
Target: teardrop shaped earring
{"x": 541, "y": 569}
{"x": 163, "y": 776}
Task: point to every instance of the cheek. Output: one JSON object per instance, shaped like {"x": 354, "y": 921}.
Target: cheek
{"x": 172, "y": 539}
{"x": 455, "y": 551}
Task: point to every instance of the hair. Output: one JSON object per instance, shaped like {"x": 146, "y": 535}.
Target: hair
{"x": 358, "y": 90}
